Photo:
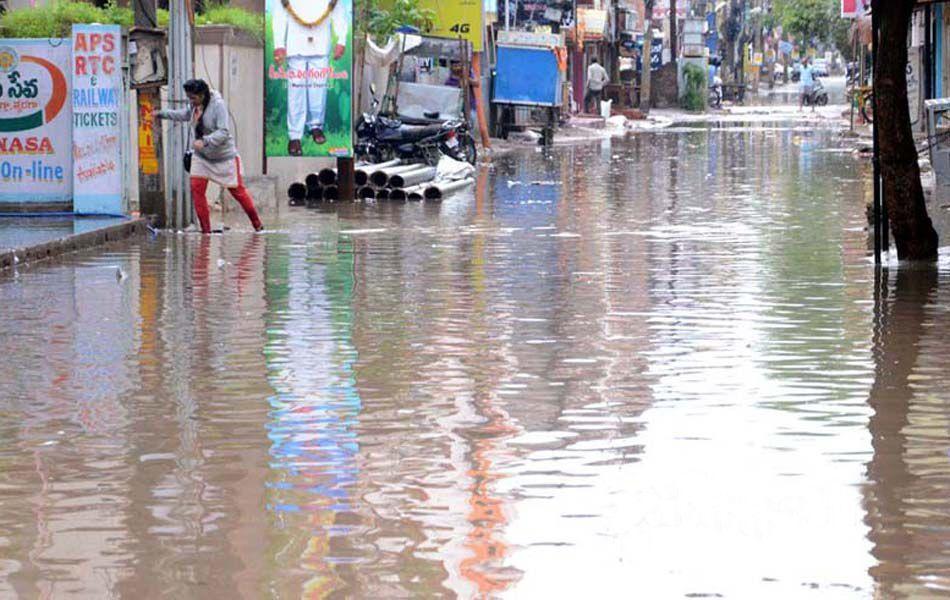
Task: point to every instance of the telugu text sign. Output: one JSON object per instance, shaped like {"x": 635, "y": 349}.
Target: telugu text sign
{"x": 35, "y": 156}
{"x": 96, "y": 100}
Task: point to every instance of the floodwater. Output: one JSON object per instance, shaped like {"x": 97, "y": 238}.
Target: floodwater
{"x": 660, "y": 367}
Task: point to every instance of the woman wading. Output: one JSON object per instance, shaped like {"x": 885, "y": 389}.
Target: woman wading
{"x": 215, "y": 157}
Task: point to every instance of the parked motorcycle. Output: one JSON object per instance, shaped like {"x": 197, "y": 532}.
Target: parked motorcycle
{"x": 381, "y": 138}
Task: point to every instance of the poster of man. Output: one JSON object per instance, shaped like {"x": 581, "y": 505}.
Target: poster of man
{"x": 308, "y": 62}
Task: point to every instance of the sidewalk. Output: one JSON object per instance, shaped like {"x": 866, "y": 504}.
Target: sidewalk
{"x": 29, "y": 239}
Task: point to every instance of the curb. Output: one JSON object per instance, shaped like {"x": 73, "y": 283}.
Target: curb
{"x": 72, "y": 243}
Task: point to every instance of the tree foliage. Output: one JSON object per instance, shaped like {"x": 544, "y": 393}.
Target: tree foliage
{"x": 810, "y": 21}
{"x": 381, "y": 18}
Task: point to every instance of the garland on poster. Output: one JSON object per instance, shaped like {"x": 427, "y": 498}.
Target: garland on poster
{"x": 35, "y": 162}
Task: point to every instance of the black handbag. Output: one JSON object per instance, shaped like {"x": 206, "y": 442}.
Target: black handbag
{"x": 186, "y": 160}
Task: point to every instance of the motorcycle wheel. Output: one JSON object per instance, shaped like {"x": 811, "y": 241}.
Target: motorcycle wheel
{"x": 377, "y": 154}
{"x": 822, "y": 100}
{"x": 430, "y": 155}
{"x": 465, "y": 151}
{"x": 714, "y": 100}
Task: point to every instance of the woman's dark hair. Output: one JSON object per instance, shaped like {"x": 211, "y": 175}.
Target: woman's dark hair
{"x": 199, "y": 87}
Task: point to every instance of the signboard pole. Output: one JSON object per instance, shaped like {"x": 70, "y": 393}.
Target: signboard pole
{"x": 151, "y": 185}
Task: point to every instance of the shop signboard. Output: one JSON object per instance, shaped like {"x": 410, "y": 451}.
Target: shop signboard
{"x": 462, "y": 19}
{"x": 35, "y": 154}
{"x": 853, "y": 9}
{"x": 97, "y": 100}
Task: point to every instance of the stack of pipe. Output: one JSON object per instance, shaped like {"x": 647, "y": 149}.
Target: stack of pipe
{"x": 391, "y": 180}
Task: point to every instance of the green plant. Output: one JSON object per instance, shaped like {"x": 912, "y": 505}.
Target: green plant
{"x": 695, "y": 97}
{"x": 222, "y": 14}
{"x": 381, "y": 18}
{"x": 56, "y": 19}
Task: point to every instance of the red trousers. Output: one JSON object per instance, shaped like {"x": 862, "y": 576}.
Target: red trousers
{"x": 199, "y": 187}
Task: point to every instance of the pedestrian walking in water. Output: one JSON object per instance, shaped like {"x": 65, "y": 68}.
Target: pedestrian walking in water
{"x": 214, "y": 155}
{"x": 807, "y": 83}
{"x": 596, "y": 80}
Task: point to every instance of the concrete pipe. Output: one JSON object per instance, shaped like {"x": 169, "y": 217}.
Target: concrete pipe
{"x": 311, "y": 180}
{"x": 297, "y": 194}
{"x": 314, "y": 193}
{"x": 441, "y": 190}
{"x": 327, "y": 177}
{"x": 416, "y": 192}
{"x": 397, "y": 195}
{"x": 380, "y": 177}
{"x": 363, "y": 170}
{"x": 382, "y": 194}
{"x": 366, "y": 193}
{"x": 410, "y": 178}
{"x": 331, "y": 192}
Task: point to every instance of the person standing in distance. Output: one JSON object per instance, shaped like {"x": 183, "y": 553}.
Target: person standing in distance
{"x": 596, "y": 80}
{"x": 302, "y": 39}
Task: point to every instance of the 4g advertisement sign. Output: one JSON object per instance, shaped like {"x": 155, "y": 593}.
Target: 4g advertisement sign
{"x": 35, "y": 128}
{"x": 459, "y": 19}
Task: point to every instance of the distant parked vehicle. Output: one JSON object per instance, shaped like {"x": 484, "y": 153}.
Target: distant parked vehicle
{"x": 820, "y": 67}
{"x": 818, "y": 96}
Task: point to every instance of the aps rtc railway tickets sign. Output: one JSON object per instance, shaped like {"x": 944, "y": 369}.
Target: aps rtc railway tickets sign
{"x": 97, "y": 97}
{"x": 35, "y": 128}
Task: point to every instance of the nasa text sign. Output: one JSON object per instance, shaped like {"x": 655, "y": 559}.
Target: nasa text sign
{"x": 35, "y": 159}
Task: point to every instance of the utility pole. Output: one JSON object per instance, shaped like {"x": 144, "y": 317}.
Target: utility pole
{"x": 646, "y": 58}
{"x": 674, "y": 38}
{"x": 178, "y": 205}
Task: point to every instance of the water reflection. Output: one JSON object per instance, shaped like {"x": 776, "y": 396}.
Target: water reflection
{"x": 313, "y": 415}
{"x": 907, "y": 497}
{"x": 652, "y": 367}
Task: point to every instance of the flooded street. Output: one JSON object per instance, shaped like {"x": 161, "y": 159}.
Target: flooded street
{"x": 654, "y": 367}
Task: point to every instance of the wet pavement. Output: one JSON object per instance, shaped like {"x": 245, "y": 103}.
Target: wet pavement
{"x": 19, "y": 231}
{"x": 656, "y": 367}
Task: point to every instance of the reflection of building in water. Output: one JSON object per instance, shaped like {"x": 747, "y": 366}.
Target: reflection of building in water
{"x": 65, "y": 452}
{"x": 314, "y": 412}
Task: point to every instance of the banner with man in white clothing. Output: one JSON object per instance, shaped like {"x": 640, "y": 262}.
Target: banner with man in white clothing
{"x": 308, "y": 62}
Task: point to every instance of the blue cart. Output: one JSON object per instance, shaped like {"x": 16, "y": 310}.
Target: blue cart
{"x": 527, "y": 90}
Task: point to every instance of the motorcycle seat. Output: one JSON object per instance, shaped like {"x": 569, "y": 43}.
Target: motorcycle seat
{"x": 412, "y": 133}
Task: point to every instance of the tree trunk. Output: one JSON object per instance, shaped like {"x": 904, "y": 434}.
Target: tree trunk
{"x": 913, "y": 231}
{"x": 646, "y": 60}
